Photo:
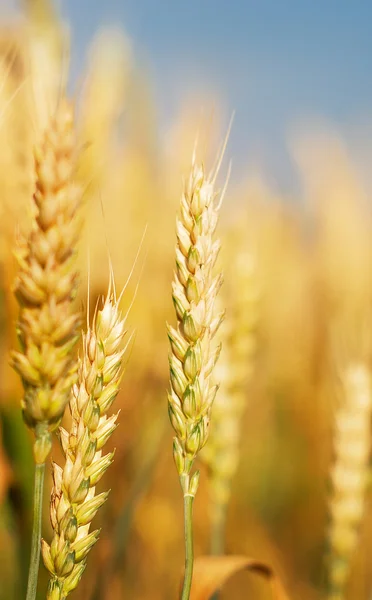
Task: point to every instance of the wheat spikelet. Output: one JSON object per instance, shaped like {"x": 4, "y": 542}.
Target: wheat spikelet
{"x": 74, "y": 502}
{"x": 233, "y": 370}
{"x": 352, "y": 444}
{"x": 46, "y": 284}
{"x": 193, "y": 357}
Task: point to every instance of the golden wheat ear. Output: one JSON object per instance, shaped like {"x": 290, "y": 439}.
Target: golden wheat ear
{"x": 193, "y": 356}
{"x": 349, "y": 473}
{"x": 74, "y": 502}
{"x": 192, "y": 353}
{"x": 234, "y": 371}
{"x": 46, "y": 284}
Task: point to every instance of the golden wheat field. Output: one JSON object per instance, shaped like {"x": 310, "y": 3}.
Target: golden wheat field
{"x": 185, "y": 354}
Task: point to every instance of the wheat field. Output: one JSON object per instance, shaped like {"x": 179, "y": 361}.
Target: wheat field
{"x": 257, "y": 361}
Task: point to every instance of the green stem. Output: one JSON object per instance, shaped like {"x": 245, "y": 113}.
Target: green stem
{"x": 189, "y": 547}
{"x": 36, "y": 532}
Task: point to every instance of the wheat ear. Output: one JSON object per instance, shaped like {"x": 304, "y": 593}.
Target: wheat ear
{"x": 192, "y": 356}
{"x": 74, "y": 502}
{"x": 349, "y": 474}
{"x": 46, "y": 284}
{"x": 234, "y": 370}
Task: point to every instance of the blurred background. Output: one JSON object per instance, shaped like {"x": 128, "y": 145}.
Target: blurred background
{"x": 148, "y": 78}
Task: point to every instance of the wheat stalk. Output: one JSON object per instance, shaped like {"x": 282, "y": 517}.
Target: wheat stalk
{"x": 74, "y": 501}
{"x": 349, "y": 474}
{"x": 193, "y": 356}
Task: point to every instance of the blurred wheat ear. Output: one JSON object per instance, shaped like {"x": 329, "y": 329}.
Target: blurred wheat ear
{"x": 349, "y": 474}
{"x": 234, "y": 370}
{"x": 47, "y": 51}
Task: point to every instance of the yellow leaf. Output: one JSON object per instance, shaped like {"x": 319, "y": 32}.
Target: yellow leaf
{"x": 212, "y": 572}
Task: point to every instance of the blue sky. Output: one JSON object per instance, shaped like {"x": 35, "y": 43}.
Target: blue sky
{"x": 276, "y": 62}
